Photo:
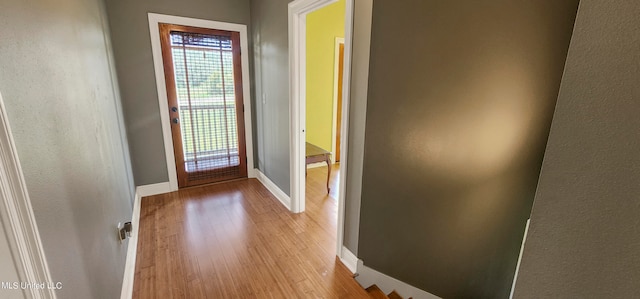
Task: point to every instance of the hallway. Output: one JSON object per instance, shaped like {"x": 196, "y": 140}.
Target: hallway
{"x": 235, "y": 240}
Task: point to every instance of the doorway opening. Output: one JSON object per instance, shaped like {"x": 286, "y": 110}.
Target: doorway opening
{"x": 301, "y": 130}
{"x": 202, "y": 78}
{"x": 204, "y": 89}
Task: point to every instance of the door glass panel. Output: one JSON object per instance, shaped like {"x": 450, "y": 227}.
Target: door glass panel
{"x": 204, "y": 76}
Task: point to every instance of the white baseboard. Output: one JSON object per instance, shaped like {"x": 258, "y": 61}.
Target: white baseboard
{"x": 316, "y": 165}
{"x": 132, "y": 250}
{"x": 367, "y": 277}
{"x": 153, "y": 189}
{"x": 515, "y": 276}
{"x": 349, "y": 259}
{"x": 274, "y": 189}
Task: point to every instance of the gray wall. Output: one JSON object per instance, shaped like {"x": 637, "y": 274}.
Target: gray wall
{"x": 584, "y": 238}
{"x": 132, "y": 48}
{"x": 460, "y": 100}
{"x": 269, "y": 21}
{"x": 357, "y": 119}
{"x": 56, "y": 81}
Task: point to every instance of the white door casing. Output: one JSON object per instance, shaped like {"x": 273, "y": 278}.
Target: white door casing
{"x": 297, "y": 105}
{"x": 17, "y": 217}
{"x": 154, "y": 20}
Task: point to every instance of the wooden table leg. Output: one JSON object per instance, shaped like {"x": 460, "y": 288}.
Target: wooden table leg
{"x": 328, "y": 172}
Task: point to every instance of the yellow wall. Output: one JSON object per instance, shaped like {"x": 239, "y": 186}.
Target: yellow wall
{"x": 323, "y": 26}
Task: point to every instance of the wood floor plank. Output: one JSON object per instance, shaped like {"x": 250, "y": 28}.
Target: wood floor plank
{"x": 235, "y": 240}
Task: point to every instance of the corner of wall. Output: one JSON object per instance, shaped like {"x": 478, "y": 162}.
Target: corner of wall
{"x": 274, "y": 189}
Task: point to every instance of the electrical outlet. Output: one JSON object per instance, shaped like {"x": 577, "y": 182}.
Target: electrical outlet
{"x": 120, "y": 231}
{"x": 124, "y": 230}
{"x": 127, "y": 228}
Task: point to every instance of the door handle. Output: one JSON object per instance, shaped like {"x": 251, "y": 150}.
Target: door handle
{"x": 175, "y": 120}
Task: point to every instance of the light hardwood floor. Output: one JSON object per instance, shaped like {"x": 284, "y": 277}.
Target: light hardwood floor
{"x": 235, "y": 240}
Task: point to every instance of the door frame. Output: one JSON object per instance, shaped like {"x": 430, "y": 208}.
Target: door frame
{"x": 17, "y": 216}
{"x": 298, "y": 10}
{"x": 177, "y": 130}
{"x": 163, "y": 102}
{"x": 334, "y": 122}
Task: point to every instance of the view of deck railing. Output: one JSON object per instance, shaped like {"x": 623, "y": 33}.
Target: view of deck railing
{"x": 211, "y": 127}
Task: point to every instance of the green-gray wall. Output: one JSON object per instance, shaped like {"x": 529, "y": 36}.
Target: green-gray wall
{"x": 132, "y": 49}
{"x": 56, "y": 81}
{"x": 460, "y": 101}
{"x": 584, "y": 238}
{"x": 269, "y": 21}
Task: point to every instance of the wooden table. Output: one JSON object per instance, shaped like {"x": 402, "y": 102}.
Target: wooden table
{"x": 315, "y": 154}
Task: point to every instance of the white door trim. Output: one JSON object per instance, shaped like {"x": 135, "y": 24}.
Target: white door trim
{"x": 17, "y": 215}
{"x": 334, "y": 122}
{"x": 515, "y": 275}
{"x": 344, "y": 131}
{"x": 154, "y": 20}
{"x": 298, "y": 11}
{"x": 297, "y": 107}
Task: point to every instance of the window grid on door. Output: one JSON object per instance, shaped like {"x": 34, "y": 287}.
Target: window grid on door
{"x": 205, "y": 90}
